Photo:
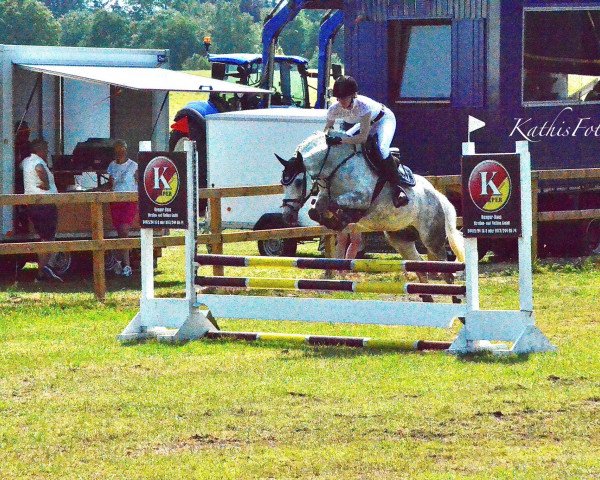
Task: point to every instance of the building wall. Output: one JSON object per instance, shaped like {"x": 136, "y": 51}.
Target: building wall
{"x": 426, "y": 135}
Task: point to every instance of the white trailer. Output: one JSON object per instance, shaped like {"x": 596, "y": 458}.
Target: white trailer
{"x": 241, "y": 148}
{"x": 67, "y": 95}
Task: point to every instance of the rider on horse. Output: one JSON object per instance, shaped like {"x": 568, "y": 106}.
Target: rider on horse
{"x": 376, "y": 122}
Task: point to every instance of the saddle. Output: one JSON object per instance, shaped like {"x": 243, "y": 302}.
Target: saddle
{"x": 375, "y": 162}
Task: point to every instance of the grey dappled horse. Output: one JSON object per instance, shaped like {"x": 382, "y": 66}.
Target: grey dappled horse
{"x": 344, "y": 178}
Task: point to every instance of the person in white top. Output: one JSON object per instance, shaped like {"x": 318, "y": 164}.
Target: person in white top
{"x": 376, "y": 122}
{"x": 38, "y": 180}
{"x": 122, "y": 173}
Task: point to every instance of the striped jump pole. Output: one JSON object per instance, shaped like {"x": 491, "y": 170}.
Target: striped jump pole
{"x": 331, "y": 285}
{"x": 182, "y": 319}
{"x": 326, "y": 341}
{"x": 362, "y": 265}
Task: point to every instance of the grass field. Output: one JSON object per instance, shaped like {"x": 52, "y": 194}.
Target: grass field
{"x": 75, "y": 404}
{"x": 178, "y": 100}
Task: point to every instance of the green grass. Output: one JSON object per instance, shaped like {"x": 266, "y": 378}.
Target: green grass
{"x": 178, "y": 100}
{"x": 76, "y": 404}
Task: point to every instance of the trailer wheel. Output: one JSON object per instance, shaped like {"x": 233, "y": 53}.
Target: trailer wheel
{"x": 275, "y": 247}
{"x": 61, "y": 263}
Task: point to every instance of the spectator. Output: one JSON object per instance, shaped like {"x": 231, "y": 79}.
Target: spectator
{"x": 38, "y": 180}
{"x": 122, "y": 173}
{"x": 22, "y": 151}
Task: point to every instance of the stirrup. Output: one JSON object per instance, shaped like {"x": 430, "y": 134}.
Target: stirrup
{"x": 399, "y": 198}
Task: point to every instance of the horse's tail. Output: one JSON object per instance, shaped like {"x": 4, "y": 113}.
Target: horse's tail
{"x": 455, "y": 238}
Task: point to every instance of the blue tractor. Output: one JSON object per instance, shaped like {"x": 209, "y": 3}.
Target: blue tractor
{"x": 285, "y": 75}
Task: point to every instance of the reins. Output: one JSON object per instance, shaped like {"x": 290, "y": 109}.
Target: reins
{"x": 317, "y": 179}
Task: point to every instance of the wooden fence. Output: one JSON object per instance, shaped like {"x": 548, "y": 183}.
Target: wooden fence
{"x": 98, "y": 244}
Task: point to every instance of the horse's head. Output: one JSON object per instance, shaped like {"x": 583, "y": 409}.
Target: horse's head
{"x": 295, "y": 187}
{"x": 314, "y": 161}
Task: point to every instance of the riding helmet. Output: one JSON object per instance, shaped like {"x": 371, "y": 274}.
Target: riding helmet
{"x": 344, "y": 87}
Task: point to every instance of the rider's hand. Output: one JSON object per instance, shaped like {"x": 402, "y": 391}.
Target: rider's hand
{"x": 331, "y": 140}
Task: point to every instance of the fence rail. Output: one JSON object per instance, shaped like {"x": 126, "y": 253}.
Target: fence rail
{"x": 98, "y": 244}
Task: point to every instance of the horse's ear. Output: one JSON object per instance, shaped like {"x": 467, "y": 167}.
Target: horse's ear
{"x": 282, "y": 161}
{"x": 299, "y": 158}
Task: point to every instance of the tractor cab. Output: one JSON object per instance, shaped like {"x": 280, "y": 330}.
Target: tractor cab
{"x": 290, "y": 81}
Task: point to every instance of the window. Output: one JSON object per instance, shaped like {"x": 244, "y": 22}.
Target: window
{"x": 420, "y": 61}
{"x": 289, "y": 84}
{"x": 561, "y": 56}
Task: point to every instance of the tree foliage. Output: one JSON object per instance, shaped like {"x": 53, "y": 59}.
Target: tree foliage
{"x": 27, "y": 22}
{"x": 62, "y": 7}
{"x": 179, "y": 25}
{"x": 76, "y": 28}
{"x": 233, "y": 31}
{"x": 300, "y": 37}
{"x": 109, "y": 29}
{"x": 173, "y": 30}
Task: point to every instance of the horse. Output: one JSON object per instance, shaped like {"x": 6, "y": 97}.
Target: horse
{"x": 343, "y": 178}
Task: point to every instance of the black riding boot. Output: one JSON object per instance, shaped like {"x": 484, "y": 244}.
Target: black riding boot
{"x": 390, "y": 171}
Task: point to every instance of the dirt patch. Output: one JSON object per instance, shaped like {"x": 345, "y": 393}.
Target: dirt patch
{"x": 199, "y": 442}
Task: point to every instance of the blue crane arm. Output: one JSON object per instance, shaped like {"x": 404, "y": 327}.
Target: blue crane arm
{"x": 330, "y": 26}
{"x": 281, "y": 15}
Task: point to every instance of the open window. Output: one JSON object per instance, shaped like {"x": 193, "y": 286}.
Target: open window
{"x": 561, "y": 56}
{"x": 420, "y": 56}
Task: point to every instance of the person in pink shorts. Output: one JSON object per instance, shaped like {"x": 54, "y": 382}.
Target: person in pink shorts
{"x": 123, "y": 173}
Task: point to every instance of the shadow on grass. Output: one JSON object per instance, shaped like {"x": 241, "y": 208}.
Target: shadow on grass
{"x": 25, "y": 282}
{"x": 340, "y": 351}
{"x": 309, "y": 351}
{"x": 489, "y": 358}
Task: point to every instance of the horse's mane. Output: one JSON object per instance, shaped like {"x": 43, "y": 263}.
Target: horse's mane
{"x": 317, "y": 140}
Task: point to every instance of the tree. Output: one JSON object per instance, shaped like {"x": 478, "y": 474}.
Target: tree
{"x": 300, "y": 36}
{"x": 234, "y": 31}
{"x": 62, "y": 7}
{"x": 172, "y": 30}
{"x": 108, "y": 29}
{"x": 197, "y": 61}
{"x": 76, "y": 28}
{"x": 27, "y": 22}
{"x": 252, "y": 8}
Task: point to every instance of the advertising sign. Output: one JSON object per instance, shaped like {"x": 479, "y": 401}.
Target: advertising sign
{"x": 162, "y": 189}
{"x": 491, "y": 195}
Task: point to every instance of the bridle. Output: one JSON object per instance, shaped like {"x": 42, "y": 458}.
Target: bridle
{"x": 325, "y": 182}
{"x": 295, "y": 204}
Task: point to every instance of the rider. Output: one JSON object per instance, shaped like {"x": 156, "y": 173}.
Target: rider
{"x": 375, "y": 120}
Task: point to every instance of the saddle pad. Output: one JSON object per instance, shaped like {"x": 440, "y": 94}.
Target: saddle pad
{"x": 406, "y": 176}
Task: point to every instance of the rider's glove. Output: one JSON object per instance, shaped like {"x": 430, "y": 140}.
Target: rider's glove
{"x": 331, "y": 140}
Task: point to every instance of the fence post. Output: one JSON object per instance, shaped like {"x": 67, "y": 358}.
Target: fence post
{"x": 97, "y": 221}
{"x": 215, "y": 228}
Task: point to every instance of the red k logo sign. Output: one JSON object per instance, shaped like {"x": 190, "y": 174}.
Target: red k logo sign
{"x": 490, "y": 186}
{"x": 161, "y": 180}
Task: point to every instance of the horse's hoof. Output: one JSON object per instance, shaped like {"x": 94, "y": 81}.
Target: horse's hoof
{"x": 426, "y": 298}
{"x": 456, "y": 299}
